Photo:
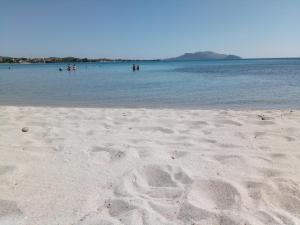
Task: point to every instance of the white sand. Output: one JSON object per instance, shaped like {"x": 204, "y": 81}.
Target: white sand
{"x": 136, "y": 166}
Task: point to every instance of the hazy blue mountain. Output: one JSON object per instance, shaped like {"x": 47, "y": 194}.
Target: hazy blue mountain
{"x": 207, "y": 55}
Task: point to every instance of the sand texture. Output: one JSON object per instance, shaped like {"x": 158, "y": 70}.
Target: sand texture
{"x": 75, "y": 166}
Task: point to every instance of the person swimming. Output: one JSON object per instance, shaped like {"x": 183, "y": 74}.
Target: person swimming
{"x": 69, "y": 67}
{"x": 74, "y": 67}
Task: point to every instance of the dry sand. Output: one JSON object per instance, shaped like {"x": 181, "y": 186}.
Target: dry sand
{"x": 79, "y": 166}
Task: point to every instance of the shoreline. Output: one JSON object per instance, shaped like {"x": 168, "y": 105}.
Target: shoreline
{"x": 183, "y": 108}
{"x": 118, "y": 166}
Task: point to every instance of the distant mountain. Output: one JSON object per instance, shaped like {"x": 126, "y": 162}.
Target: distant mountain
{"x": 207, "y": 55}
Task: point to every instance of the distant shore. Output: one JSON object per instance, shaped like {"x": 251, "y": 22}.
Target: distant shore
{"x": 17, "y": 61}
{"x": 22, "y": 60}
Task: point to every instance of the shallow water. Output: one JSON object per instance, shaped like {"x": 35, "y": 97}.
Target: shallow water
{"x": 241, "y": 84}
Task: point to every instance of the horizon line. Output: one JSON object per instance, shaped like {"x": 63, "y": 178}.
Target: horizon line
{"x": 137, "y": 59}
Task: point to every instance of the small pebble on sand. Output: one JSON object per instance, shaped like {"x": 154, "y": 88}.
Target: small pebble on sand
{"x": 262, "y": 117}
{"x": 25, "y": 129}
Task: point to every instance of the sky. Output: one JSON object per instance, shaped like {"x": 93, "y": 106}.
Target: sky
{"x": 149, "y": 29}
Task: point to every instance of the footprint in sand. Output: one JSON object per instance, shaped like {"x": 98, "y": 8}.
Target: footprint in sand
{"x": 117, "y": 207}
{"x": 167, "y": 211}
{"x": 174, "y": 196}
{"x": 164, "y": 176}
{"x": 156, "y": 176}
{"x": 154, "y": 181}
{"x": 10, "y": 213}
{"x": 190, "y": 214}
{"x": 284, "y": 194}
{"x": 254, "y": 190}
{"x": 103, "y": 155}
{"x": 130, "y": 212}
{"x": 8, "y": 208}
{"x": 214, "y": 194}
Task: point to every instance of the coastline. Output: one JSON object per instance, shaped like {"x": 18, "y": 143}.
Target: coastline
{"x": 88, "y": 166}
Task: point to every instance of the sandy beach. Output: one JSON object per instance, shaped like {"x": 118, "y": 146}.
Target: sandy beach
{"x": 79, "y": 166}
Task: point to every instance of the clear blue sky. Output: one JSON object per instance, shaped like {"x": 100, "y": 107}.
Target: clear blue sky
{"x": 149, "y": 28}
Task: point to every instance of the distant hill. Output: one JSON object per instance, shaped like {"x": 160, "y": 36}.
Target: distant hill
{"x": 207, "y": 55}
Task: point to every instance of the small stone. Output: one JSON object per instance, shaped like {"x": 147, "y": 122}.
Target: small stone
{"x": 25, "y": 129}
{"x": 262, "y": 117}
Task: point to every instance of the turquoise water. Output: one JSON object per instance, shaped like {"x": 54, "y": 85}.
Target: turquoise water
{"x": 242, "y": 84}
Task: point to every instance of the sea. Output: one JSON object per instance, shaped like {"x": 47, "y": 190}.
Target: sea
{"x": 214, "y": 84}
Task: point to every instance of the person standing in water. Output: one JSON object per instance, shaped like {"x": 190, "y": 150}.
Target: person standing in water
{"x": 133, "y": 67}
{"x": 138, "y": 67}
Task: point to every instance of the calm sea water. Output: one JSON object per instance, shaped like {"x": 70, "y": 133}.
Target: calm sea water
{"x": 242, "y": 84}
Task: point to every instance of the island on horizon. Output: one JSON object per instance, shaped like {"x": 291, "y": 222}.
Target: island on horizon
{"x": 205, "y": 55}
